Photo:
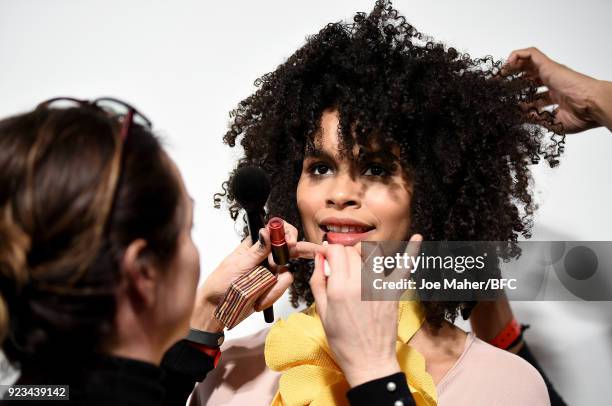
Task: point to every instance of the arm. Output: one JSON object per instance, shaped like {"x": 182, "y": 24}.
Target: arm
{"x": 184, "y": 365}
{"x": 383, "y": 391}
{"x": 187, "y": 362}
{"x": 602, "y": 104}
{"x": 361, "y": 334}
{"x": 583, "y": 102}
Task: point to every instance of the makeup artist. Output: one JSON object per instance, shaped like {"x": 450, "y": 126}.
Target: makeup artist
{"x": 98, "y": 271}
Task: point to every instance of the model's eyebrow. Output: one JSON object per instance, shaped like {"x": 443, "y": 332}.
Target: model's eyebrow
{"x": 318, "y": 153}
{"x": 382, "y": 154}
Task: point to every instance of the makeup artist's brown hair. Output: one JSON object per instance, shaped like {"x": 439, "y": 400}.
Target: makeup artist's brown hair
{"x": 461, "y": 128}
{"x": 73, "y": 196}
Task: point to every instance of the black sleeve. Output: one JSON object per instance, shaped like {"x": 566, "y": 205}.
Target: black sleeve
{"x": 183, "y": 365}
{"x": 555, "y": 398}
{"x": 387, "y": 391}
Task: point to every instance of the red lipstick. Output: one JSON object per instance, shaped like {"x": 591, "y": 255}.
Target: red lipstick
{"x": 280, "y": 250}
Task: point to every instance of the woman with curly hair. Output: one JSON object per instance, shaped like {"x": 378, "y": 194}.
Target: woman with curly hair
{"x": 373, "y": 131}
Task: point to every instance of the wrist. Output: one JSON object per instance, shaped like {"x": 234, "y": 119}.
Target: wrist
{"x": 357, "y": 375}
{"x": 203, "y": 319}
{"x": 488, "y": 318}
{"x": 600, "y": 103}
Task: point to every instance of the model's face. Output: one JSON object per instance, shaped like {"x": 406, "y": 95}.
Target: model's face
{"x": 344, "y": 200}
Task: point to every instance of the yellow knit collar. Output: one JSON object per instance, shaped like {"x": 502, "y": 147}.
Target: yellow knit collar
{"x": 298, "y": 348}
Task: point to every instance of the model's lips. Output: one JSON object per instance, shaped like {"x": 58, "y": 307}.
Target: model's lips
{"x": 333, "y": 228}
{"x": 345, "y": 231}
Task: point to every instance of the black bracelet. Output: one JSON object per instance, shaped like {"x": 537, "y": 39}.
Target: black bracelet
{"x": 213, "y": 340}
{"x": 519, "y": 338}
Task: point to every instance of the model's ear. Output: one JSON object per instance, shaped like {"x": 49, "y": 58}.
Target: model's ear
{"x": 140, "y": 276}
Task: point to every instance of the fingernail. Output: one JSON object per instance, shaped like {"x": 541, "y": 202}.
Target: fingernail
{"x": 326, "y": 268}
{"x": 325, "y": 242}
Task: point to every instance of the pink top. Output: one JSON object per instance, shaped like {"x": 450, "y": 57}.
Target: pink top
{"x": 482, "y": 376}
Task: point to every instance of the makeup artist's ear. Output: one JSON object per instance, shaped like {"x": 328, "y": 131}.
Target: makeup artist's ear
{"x": 140, "y": 277}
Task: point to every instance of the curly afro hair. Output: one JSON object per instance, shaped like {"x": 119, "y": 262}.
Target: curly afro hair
{"x": 461, "y": 126}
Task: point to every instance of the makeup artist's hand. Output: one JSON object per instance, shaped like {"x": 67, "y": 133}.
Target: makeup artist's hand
{"x": 361, "y": 334}
{"x": 242, "y": 260}
{"x": 297, "y": 249}
{"x": 584, "y": 102}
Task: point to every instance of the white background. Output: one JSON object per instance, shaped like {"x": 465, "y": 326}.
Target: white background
{"x": 186, "y": 64}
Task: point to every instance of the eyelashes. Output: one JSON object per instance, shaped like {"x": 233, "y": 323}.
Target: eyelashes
{"x": 318, "y": 169}
{"x": 370, "y": 169}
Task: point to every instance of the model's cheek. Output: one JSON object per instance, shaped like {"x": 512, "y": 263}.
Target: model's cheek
{"x": 309, "y": 202}
{"x": 307, "y": 215}
{"x": 392, "y": 212}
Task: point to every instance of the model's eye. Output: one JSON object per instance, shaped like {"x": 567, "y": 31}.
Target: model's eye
{"x": 320, "y": 169}
{"x": 376, "y": 170}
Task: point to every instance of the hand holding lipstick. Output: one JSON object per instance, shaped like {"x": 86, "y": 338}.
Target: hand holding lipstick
{"x": 284, "y": 246}
{"x": 241, "y": 261}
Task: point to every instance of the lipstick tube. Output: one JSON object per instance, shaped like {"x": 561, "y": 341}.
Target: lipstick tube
{"x": 280, "y": 250}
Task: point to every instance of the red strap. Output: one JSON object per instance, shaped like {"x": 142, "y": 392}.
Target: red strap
{"x": 507, "y": 335}
{"x": 211, "y": 352}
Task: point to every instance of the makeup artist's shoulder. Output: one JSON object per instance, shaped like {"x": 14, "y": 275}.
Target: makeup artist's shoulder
{"x": 241, "y": 377}
{"x": 498, "y": 375}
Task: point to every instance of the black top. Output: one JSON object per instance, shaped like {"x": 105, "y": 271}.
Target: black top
{"x": 391, "y": 390}
{"x": 116, "y": 381}
{"x": 104, "y": 380}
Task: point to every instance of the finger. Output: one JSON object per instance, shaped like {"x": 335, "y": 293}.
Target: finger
{"x": 528, "y": 55}
{"x": 256, "y": 253}
{"x": 526, "y": 69}
{"x": 318, "y": 285}
{"x": 337, "y": 260}
{"x": 515, "y": 65}
{"x": 534, "y": 63}
{"x": 291, "y": 234}
{"x": 543, "y": 99}
{"x": 267, "y": 299}
{"x": 273, "y": 265}
{"x": 532, "y": 53}
{"x": 414, "y": 245}
{"x": 355, "y": 264}
{"x": 527, "y": 59}
{"x": 540, "y": 101}
{"x": 243, "y": 246}
{"x": 304, "y": 249}
{"x": 543, "y": 118}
